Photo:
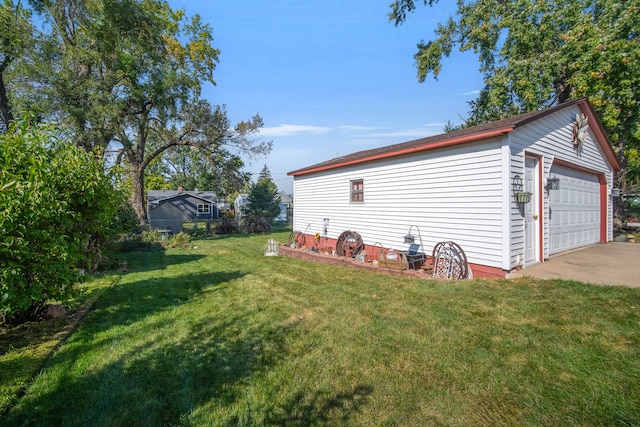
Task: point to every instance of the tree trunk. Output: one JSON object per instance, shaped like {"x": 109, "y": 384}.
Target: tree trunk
{"x": 137, "y": 200}
{"x": 5, "y": 108}
{"x": 620, "y": 182}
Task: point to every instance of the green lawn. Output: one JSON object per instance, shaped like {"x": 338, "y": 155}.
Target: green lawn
{"x": 221, "y": 335}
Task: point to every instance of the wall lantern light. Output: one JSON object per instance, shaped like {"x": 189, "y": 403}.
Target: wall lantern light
{"x": 552, "y": 184}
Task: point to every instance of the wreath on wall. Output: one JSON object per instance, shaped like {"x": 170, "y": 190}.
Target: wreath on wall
{"x": 580, "y": 127}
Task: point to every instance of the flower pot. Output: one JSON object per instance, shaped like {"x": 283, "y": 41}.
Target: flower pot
{"x": 523, "y": 197}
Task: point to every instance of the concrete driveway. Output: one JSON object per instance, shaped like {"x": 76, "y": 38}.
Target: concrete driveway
{"x": 614, "y": 263}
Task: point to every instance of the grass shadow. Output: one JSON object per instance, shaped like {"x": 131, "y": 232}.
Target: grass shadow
{"x": 128, "y": 303}
{"x": 320, "y": 408}
{"x": 153, "y": 383}
{"x": 157, "y": 260}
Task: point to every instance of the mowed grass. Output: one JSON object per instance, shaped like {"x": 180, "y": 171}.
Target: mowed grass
{"x": 26, "y": 347}
{"x": 220, "y": 335}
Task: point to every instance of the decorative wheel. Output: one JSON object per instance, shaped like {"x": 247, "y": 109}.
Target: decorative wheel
{"x": 349, "y": 244}
{"x": 449, "y": 261}
{"x": 297, "y": 239}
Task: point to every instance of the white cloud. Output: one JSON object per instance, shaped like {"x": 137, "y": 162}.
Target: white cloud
{"x": 422, "y": 132}
{"x": 471, "y": 92}
{"x": 357, "y": 128}
{"x": 289, "y": 130}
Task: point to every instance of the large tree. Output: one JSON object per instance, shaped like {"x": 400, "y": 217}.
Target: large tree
{"x": 536, "y": 53}
{"x": 128, "y": 73}
{"x": 198, "y": 125}
{"x": 191, "y": 168}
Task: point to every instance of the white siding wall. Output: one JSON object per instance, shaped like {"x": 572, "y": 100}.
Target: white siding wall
{"x": 550, "y": 137}
{"x": 453, "y": 194}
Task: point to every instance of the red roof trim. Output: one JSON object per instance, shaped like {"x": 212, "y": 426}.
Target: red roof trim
{"x": 468, "y": 135}
{"x": 419, "y": 148}
{"x": 598, "y": 131}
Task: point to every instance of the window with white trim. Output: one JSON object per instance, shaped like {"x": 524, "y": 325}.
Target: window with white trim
{"x": 357, "y": 191}
{"x": 204, "y": 208}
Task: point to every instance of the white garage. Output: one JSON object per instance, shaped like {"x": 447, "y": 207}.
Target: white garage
{"x": 574, "y": 210}
{"x": 489, "y": 188}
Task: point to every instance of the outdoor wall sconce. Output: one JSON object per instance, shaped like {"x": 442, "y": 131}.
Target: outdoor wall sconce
{"x": 552, "y": 184}
{"x": 521, "y": 196}
{"x": 615, "y": 192}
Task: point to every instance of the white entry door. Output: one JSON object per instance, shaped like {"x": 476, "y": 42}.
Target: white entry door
{"x": 530, "y": 211}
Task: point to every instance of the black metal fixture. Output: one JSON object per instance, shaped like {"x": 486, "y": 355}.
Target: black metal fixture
{"x": 521, "y": 196}
{"x": 410, "y": 238}
{"x": 552, "y": 184}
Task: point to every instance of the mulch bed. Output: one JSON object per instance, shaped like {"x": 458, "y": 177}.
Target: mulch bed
{"x": 310, "y": 255}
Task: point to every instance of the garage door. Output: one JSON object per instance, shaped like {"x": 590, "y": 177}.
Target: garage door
{"x": 574, "y": 218}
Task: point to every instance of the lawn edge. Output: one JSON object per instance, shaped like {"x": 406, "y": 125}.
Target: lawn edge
{"x": 59, "y": 338}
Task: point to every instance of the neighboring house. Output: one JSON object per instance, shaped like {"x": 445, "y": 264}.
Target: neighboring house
{"x": 168, "y": 209}
{"x": 286, "y": 199}
{"x": 461, "y": 186}
{"x": 223, "y": 205}
{"x": 286, "y": 203}
{"x": 282, "y": 216}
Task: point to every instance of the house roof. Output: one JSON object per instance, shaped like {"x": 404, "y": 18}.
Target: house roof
{"x": 466, "y": 135}
{"x": 163, "y": 195}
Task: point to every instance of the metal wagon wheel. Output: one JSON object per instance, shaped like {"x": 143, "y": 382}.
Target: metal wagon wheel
{"x": 297, "y": 239}
{"x": 449, "y": 261}
{"x": 349, "y": 244}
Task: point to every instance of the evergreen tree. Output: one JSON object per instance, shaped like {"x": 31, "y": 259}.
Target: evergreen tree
{"x": 264, "y": 200}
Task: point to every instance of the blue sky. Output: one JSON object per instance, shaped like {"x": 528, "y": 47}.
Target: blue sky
{"x": 330, "y": 77}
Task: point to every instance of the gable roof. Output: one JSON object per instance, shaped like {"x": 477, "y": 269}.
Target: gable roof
{"x": 158, "y": 196}
{"x": 465, "y": 135}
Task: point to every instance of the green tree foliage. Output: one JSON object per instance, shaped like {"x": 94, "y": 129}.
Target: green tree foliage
{"x": 15, "y": 38}
{"x": 198, "y": 125}
{"x": 263, "y": 199}
{"x": 128, "y": 73}
{"x": 536, "y": 53}
{"x": 214, "y": 169}
{"x": 55, "y": 203}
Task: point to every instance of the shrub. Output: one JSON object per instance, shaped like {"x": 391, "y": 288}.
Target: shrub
{"x": 135, "y": 243}
{"x": 151, "y": 236}
{"x": 227, "y": 226}
{"x": 55, "y": 204}
{"x": 180, "y": 240}
{"x": 125, "y": 220}
{"x": 255, "y": 224}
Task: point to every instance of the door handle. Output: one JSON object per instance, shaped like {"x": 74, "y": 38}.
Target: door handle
{"x": 534, "y": 216}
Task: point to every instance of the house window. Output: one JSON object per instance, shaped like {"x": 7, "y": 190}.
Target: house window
{"x": 357, "y": 191}
{"x": 204, "y": 209}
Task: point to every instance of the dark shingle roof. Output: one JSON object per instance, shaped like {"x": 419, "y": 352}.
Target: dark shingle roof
{"x": 460, "y": 136}
{"x": 160, "y": 195}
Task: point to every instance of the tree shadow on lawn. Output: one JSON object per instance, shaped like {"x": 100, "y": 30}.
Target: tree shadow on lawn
{"x": 144, "y": 297}
{"x": 130, "y": 302}
{"x": 320, "y": 408}
{"x": 141, "y": 262}
{"x": 152, "y": 374}
{"x": 154, "y": 383}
